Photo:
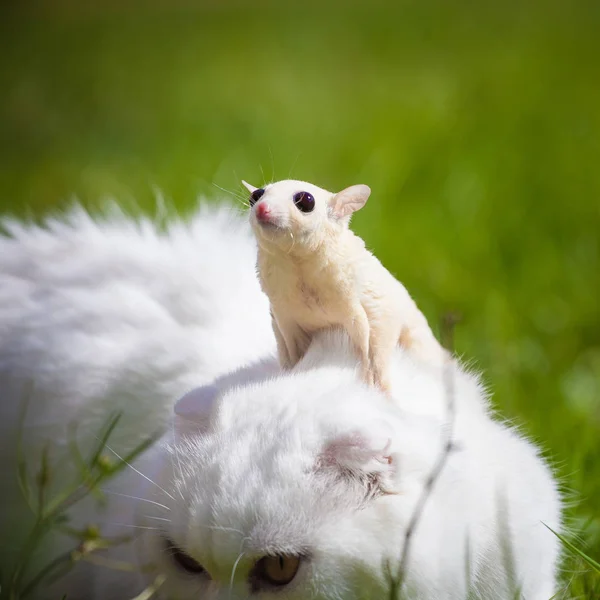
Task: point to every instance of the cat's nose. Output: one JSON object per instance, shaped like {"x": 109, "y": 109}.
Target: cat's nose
{"x": 263, "y": 212}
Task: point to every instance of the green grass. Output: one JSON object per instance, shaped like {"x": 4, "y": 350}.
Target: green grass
{"x": 32, "y": 570}
{"x": 477, "y": 126}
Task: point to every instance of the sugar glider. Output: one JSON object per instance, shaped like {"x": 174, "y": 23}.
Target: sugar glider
{"x": 317, "y": 273}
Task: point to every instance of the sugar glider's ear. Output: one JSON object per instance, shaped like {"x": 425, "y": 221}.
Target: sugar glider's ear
{"x": 249, "y": 187}
{"x": 194, "y": 410}
{"x": 361, "y": 459}
{"x": 348, "y": 201}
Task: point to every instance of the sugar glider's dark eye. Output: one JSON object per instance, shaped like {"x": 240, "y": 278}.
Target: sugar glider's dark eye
{"x": 276, "y": 570}
{"x": 255, "y": 196}
{"x": 304, "y": 202}
{"x": 183, "y": 560}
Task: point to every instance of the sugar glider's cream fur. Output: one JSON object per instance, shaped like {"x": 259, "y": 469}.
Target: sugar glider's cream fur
{"x": 309, "y": 467}
{"x": 317, "y": 273}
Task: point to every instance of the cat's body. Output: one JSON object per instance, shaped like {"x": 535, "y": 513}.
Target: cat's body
{"x": 310, "y": 462}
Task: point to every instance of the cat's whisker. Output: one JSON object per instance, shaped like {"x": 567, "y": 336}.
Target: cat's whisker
{"x": 134, "y": 526}
{"x": 220, "y": 528}
{"x": 176, "y": 452}
{"x": 204, "y": 526}
{"x": 138, "y": 472}
{"x": 136, "y": 498}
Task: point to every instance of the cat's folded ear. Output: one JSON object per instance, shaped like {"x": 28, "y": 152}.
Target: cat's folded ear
{"x": 348, "y": 201}
{"x": 361, "y": 459}
{"x": 194, "y": 410}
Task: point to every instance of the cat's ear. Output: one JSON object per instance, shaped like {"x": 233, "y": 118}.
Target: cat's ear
{"x": 363, "y": 459}
{"x": 249, "y": 187}
{"x": 194, "y": 410}
{"x": 348, "y": 201}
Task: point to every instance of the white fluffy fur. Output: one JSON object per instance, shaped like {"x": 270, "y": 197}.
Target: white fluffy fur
{"x": 110, "y": 313}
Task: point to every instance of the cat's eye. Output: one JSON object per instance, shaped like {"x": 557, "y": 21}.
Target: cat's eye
{"x": 183, "y": 560}
{"x": 255, "y": 196}
{"x": 304, "y": 202}
{"x": 277, "y": 570}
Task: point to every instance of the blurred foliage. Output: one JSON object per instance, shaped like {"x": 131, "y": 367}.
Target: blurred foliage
{"x": 51, "y": 512}
{"x": 476, "y": 124}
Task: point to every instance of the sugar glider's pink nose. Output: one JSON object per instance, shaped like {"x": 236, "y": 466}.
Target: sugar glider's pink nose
{"x": 262, "y": 211}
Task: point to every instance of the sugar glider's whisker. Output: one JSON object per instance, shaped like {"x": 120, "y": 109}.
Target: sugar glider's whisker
{"x": 241, "y": 199}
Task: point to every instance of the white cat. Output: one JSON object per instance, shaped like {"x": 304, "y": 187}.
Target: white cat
{"x": 269, "y": 485}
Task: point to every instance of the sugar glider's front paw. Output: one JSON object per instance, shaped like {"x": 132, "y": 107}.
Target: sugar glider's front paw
{"x": 284, "y": 358}
{"x": 287, "y": 359}
{"x": 282, "y": 350}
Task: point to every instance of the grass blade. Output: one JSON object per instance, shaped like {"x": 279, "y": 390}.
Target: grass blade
{"x": 590, "y": 561}
{"x": 151, "y": 590}
{"x": 22, "y": 471}
{"x": 85, "y": 471}
{"x": 103, "y": 438}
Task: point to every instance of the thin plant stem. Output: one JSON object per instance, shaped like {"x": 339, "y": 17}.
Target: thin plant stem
{"x": 447, "y": 446}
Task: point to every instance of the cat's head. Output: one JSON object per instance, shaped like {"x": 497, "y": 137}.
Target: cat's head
{"x": 282, "y": 488}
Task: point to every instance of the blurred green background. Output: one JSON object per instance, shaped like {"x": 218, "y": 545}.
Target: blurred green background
{"x": 476, "y": 124}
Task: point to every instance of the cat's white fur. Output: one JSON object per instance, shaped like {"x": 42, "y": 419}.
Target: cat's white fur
{"x": 111, "y": 313}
